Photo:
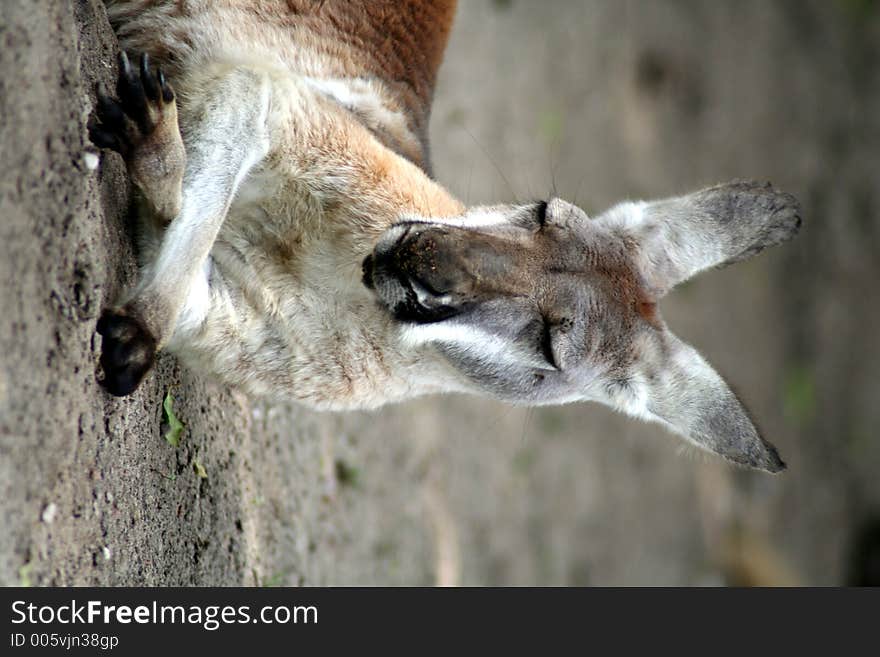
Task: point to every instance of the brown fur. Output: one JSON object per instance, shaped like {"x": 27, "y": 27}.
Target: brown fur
{"x": 400, "y": 42}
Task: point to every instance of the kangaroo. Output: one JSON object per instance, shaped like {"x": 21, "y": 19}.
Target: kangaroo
{"x": 295, "y": 245}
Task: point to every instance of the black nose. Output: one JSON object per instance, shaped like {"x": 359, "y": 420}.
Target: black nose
{"x": 367, "y": 269}
{"x": 431, "y": 259}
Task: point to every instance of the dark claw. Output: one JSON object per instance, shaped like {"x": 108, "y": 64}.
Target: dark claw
{"x": 167, "y": 91}
{"x": 132, "y": 96}
{"x": 104, "y": 138}
{"x": 109, "y": 111}
{"x": 151, "y": 86}
{"x": 127, "y": 352}
{"x": 140, "y": 94}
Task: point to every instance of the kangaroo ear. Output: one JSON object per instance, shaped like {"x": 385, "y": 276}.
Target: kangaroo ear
{"x": 676, "y": 238}
{"x": 684, "y": 393}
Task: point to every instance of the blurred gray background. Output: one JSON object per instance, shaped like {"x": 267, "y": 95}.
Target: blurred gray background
{"x": 602, "y": 101}
{"x": 595, "y": 101}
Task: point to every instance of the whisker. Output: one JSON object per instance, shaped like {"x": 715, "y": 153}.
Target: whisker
{"x": 577, "y": 191}
{"x": 529, "y": 412}
{"x": 554, "y": 191}
{"x": 489, "y": 157}
{"x": 493, "y": 422}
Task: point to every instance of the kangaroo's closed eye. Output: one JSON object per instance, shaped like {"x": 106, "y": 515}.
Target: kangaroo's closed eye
{"x": 547, "y": 342}
{"x": 541, "y": 213}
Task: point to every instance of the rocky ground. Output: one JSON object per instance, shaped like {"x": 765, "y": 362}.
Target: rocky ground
{"x": 593, "y": 101}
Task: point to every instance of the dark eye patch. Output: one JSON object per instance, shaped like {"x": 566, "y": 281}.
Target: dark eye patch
{"x": 541, "y": 213}
{"x": 547, "y": 343}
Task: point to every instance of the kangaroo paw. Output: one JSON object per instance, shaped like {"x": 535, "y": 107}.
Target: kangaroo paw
{"x": 142, "y": 127}
{"x": 127, "y": 352}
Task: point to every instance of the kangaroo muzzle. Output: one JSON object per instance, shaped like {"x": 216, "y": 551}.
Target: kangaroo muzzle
{"x": 427, "y": 272}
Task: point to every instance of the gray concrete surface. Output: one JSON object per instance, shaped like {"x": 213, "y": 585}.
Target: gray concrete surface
{"x": 594, "y": 101}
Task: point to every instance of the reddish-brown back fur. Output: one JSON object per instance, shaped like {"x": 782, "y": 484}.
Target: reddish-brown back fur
{"x": 400, "y": 42}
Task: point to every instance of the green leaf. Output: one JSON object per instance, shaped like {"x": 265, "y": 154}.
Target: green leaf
{"x": 276, "y": 580}
{"x": 347, "y": 475}
{"x": 175, "y": 426}
{"x": 172, "y": 477}
{"x": 200, "y": 469}
{"x": 24, "y": 575}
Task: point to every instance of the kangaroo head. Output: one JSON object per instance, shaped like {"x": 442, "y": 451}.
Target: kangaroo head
{"x": 538, "y": 304}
